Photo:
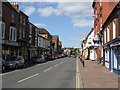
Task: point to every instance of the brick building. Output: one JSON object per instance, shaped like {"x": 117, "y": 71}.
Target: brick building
{"x": 47, "y": 37}
{"x": 107, "y": 30}
{"x": 33, "y": 41}
{"x": 55, "y": 41}
{"x": 111, "y": 36}
{"x": 10, "y": 29}
{"x": 97, "y": 6}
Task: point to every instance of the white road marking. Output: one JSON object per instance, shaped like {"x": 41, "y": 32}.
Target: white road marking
{"x": 48, "y": 69}
{"x": 56, "y": 65}
{"x": 77, "y": 74}
{"x": 28, "y": 78}
{"x": 61, "y": 62}
{"x": 26, "y": 68}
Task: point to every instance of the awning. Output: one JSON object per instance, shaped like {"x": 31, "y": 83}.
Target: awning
{"x": 115, "y": 44}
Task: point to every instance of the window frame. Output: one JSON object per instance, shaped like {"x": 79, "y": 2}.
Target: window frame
{"x": 0, "y": 9}
{"x": 13, "y": 37}
{"x": 114, "y": 29}
{"x": 2, "y": 36}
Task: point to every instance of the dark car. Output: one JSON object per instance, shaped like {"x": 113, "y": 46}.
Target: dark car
{"x": 46, "y": 57}
{"x": 15, "y": 62}
{"x": 39, "y": 58}
{"x": 2, "y": 65}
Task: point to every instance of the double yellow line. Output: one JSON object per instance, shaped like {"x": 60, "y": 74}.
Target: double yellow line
{"x": 77, "y": 74}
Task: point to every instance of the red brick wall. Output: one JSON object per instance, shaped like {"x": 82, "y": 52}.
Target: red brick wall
{"x": 107, "y": 8}
{"x": 7, "y": 13}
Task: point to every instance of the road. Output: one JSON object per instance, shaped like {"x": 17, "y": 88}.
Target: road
{"x": 60, "y": 73}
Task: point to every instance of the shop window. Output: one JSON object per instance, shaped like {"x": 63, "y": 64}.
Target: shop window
{"x": 115, "y": 58}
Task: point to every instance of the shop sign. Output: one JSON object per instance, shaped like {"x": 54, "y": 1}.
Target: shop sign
{"x": 97, "y": 44}
{"x": 10, "y": 43}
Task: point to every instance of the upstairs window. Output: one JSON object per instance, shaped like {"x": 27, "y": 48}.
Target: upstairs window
{"x": 24, "y": 21}
{"x": 2, "y": 30}
{"x": 20, "y": 19}
{"x": 36, "y": 32}
{"x": 0, "y": 9}
{"x": 12, "y": 17}
{"x": 13, "y": 34}
{"x": 30, "y": 29}
{"x": 114, "y": 30}
{"x": 21, "y": 33}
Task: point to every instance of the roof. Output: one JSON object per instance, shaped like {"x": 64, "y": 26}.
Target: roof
{"x": 43, "y": 31}
{"x": 93, "y": 3}
{"x": 55, "y": 37}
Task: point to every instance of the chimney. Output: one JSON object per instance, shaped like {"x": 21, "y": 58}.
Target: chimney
{"x": 15, "y": 5}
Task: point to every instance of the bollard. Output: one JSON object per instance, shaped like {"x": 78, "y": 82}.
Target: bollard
{"x": 83, "y": 64}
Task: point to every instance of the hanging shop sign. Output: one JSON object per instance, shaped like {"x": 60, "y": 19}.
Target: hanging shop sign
{"x": 97, "y": 44}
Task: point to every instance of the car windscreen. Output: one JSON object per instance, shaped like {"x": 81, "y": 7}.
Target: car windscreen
{"x": 11, "y": 58}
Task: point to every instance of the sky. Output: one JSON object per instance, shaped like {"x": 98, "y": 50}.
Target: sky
{"x": 72, "y": 21}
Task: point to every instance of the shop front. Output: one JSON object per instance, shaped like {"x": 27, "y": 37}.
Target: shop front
{"x": 115, "y": 57}
{"x": 9, "y": 48}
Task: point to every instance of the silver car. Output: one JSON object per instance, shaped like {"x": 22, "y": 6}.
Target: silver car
{"x": 15, "y": 62}
{"x": 39, "y": 58}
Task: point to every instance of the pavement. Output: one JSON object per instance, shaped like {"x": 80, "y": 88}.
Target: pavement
{"x": 60, "y": 73}
{"x": 95, "y": 75}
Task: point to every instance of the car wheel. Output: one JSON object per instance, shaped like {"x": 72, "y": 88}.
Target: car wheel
{"x": 23, "y": 66}
{"x": 16, "y": 66}
{"x": 3, "y": 68}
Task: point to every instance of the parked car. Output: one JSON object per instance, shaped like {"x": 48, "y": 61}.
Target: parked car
{"x": 51, "y": 57}
{"x": 60, "y": 56}
{"x": 39, "y": 58}
{"x": 56, "y": 56}
{"x": 15, "y": 62}
{"x": 46, "y": 57}
{"x": 2, "y": 65}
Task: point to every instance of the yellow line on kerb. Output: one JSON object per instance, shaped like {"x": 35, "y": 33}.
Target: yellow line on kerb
{"x": 77, "y": 74}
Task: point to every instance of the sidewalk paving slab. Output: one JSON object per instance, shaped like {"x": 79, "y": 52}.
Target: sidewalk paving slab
{"x": 95, "y": 75}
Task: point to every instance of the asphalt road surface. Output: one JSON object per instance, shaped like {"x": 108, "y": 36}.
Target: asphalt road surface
{"x": 60, "y": 73}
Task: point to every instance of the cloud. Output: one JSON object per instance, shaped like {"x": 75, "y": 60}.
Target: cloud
{"x": 39, "y": 24}
{"x": 47, "y": 11}
{"x": 78, "y": 12}
{"x": 80, "y": 37}
{"x": 29, "y": 10}
{"x": 82, "y": 23}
